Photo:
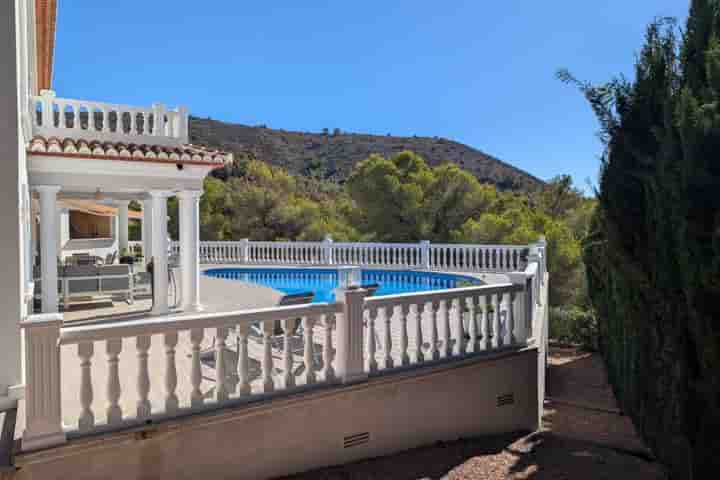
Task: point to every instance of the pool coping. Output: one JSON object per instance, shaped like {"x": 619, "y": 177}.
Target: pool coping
{"x": 487, "y": 277}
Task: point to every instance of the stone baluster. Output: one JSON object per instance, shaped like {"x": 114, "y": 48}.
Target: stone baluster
{"x": 433, "y": 352}
{"x": 118, "y": 121}
{"x": 243, "y": 361}
{"x": 105, "y": 127}
{"x": 485, "y": 302}
{"x": 91, "y": 117}
{"x": 267, "y": 360}
{"x": 182, "y": 123}
{"x": 461, "y": 311}
{"x": 419, "y": 354}
{"x": 144, "y": 408}
{"x": 75, "y": 108}
{"x": 289, "y": 375}
{"x": 48, "y": 110}
{"x": 388, "y": 314}
{"x": 497, "y": 334}
{"x": 171, "y": 398}
{"x": 196, "y": 396}
{"x": 328, "y": 354}
{"x": 221, "y": 380}
{"x": 87, "y": 417}
{"x": 446, "y": 309}
{"x": 371, "y": 315}
{"x": 113, "y": 348}
{"x": 471, "y": 304}
{"x": 510, "y": 337}
{"x": 309, "y": 349}
{"x": 404, "y": 313}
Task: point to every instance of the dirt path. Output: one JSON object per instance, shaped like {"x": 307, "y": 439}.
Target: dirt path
{"x": 585, "y": 436}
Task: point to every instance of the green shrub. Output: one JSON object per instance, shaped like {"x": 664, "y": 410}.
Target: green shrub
{"x": 573, "y": 324}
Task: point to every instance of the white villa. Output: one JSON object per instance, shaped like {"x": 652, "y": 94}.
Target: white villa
{"x": 213, "y": 379}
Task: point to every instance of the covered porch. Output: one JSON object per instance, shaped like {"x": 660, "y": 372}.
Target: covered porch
{"x": 63, "y": 173}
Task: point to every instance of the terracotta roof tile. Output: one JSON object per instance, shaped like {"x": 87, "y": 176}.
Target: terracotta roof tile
{"x": 69, "y": 147}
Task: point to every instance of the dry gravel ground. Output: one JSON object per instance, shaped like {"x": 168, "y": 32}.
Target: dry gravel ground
{"x": 585, "y": 437}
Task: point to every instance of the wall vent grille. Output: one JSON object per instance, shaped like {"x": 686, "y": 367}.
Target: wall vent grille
{"x": 355, "y": 440}
{"x": 507, "y": 399}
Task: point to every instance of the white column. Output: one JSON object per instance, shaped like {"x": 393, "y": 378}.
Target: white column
{"x": 49, "y": 246}
{"x": 123, "y": 224}
{"x": 160, "y": 251}
{"x": 189, "y": 207}
{"x": 63, "y": 225}
{"x": 147, "y": 229}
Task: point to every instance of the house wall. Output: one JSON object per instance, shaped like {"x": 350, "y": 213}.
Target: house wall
{"x": 87, "y": 225}
{"x": 76, "y": 221}
{"x": 308, "y": 431}
{"x": 16, "y": 76}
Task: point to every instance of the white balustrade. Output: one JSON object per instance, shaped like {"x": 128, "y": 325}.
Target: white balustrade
{"x": 182, "y": 364}
{"x": 63, "y": 117}
{"x": 182, "y": 395}
{"x": 438, "y": 324}
{"x": 422, "y": 255}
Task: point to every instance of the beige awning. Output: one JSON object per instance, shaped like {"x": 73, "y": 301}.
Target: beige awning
{"x": 94, "y": 208}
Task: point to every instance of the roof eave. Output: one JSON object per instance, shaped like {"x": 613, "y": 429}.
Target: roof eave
{"x": 45, "y": 27}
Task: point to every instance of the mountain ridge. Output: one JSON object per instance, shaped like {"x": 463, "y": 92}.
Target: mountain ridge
{"x": 331, "y": 155}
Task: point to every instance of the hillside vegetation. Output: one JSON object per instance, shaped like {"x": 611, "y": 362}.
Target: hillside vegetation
{"x": 331, "y": 155}
{"x": 403, "y": 199}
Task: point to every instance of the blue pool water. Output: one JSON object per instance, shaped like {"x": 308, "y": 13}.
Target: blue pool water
{"x": 322, "y": 282}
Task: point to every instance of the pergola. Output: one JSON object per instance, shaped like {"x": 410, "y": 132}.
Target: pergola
{"x": 118, "y": 173}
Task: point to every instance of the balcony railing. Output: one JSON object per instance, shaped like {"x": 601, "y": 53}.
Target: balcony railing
{"x": 335, "y": 343}
{"x": 423, "y": 255}
{"x": 63, "y": 117}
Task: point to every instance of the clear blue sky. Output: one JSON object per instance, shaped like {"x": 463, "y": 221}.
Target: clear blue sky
{"x": 481, "y": 72}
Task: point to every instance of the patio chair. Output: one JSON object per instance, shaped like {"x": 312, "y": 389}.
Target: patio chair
{"x": 94, "y": 281}
{"x": 110, "y": 258}
{"x": 83, "y": 259}
{"x": 78, "y": 280}
{"x": 286, "y": 300}
{"x": 116, "y": 279}
{"x": 371, "y": 288}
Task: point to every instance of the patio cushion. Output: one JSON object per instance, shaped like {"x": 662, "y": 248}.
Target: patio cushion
{"x": 86, "y": 285}
{"x": 111, "y": 284}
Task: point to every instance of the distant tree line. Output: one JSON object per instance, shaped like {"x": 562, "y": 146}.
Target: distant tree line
{"x": 402, "y": 199}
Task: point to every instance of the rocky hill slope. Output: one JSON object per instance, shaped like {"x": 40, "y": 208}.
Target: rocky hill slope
{"x": 331, "y": 155}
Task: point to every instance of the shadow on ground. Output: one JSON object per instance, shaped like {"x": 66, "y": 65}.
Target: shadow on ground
{"x": 585, "y": 436}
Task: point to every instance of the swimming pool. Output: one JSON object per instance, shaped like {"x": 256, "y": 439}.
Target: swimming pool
{"x": 322, "y": 281}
